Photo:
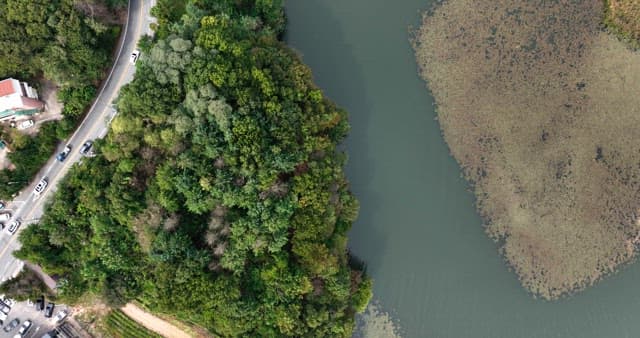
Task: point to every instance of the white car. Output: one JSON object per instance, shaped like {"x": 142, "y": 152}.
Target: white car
{"x": 25, "y": 124}
{"x": 41, "y": 186}
{"x": 60, "y": 316}
{"x": 134, "y": 57}
{"x": 26, "y": 325}
{"x": 13, "y": 227}
{"x": 8, "y": 301}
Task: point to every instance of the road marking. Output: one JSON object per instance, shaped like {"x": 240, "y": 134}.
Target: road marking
{"x": 91, "y": 130}
{"x": 49, "y": 169}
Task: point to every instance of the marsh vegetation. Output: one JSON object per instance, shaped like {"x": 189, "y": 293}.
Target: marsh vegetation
{"x": 540, "y": 108}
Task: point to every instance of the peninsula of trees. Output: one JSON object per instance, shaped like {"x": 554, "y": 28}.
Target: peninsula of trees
{"x": 218, "y": 195}
{"x": 539, "y": 106}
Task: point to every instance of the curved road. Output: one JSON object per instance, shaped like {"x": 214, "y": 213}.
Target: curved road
{"x": 27, "y": 206}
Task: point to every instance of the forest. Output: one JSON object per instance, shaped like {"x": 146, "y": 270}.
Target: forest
{"x": 218, "y": 195}
{"x": 64, "y": 41}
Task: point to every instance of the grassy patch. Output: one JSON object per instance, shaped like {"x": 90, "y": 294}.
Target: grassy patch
{"x": 622, "y": 17}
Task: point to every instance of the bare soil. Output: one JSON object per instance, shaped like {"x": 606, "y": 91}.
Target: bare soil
{"x": 53, "y": 107}
{"x": 540, "y": 108}
{"x": 4, "y": 160}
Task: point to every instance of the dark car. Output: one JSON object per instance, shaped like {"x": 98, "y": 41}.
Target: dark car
{"x": 63, "y": 155}
{"x": 40, "y": 303}
{"x": 2, "y": 205}
{"x": 51, "y": 334}
{"x": 12, "y": 325}
{"x": 85, "y": 147}
{"x": 48, "y": 312}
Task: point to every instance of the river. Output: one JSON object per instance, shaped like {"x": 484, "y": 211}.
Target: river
{"x": 435, "y": 271}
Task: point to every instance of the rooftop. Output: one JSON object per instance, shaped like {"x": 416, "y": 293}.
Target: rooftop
{"x": 6, "y": 87}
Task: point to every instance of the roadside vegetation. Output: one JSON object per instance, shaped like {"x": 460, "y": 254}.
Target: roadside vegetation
{"x": 63, "y": 41}
{"x": 25, "y": 286}
{"x": 539, "y": 107}
{"x": 622, "y": 17}
{"x": 219, "y": 193}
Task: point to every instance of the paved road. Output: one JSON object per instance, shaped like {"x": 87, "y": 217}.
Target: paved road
{"x": 27, "y": 206}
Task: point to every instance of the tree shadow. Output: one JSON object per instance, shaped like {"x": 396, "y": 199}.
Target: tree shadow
{"x": 337, "y": 72}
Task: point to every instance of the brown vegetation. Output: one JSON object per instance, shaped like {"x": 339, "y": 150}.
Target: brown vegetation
{"x": 540, "y": 108}
{"x": 623, "y": 18}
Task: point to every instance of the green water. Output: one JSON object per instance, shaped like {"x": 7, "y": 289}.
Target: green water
{"x": 435, "y": 270}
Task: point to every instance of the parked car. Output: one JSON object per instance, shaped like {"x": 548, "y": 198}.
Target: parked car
{"x": 12, "y": 325}
{"x": 4, "y": 308}
{"x": 51, "y": 334}
{"x": 63, "y": 155}
{"x": 60, "y": 316}
{"x": 13, "y": 226}
{"x": 134, "y": 57}
{"x": 40, "y": 186}
{"x": 25, "y": 124}
{"x": 24, "y": 327}
{"x": 85, "y": 147}
{"x": 5, "y": 216}
{"x": 3, "y": 317}
{"x": 48, "y": 312}
{"x": 8, "y": 301}
{"x": 40, "y": 303}
{"x": 2, "y": 205}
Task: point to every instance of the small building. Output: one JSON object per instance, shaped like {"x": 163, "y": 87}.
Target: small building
{"x": 18, "y": 99}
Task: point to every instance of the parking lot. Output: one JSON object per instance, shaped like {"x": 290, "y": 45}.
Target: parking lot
{"x": 27, "y": 311}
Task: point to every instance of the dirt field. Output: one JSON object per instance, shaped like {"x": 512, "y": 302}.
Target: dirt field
{"x": 48, "y": 94}
{"x": 540, "y": 108}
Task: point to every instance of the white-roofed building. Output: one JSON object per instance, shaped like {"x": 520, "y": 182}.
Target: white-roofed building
{"x": 18, "y": 98}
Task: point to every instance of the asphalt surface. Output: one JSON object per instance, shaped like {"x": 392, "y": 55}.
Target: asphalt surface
{"x": 27, "y": 311}
{"x": 28, "y": 206}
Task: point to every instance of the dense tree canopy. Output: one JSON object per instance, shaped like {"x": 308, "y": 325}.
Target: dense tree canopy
{"x": 63, "y": 41}
{"x": 219, "y": 194}
{"x": 54, "y": 38}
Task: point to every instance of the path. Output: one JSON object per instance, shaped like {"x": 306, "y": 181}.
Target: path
{"x": 51, "y": 284}
{"x": 153, "y": 323}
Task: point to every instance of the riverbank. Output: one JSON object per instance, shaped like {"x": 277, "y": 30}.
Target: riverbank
{"x": 536, "y": 104}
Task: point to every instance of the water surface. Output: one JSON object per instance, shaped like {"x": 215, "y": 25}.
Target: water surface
{"x": 435, "y": 271}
